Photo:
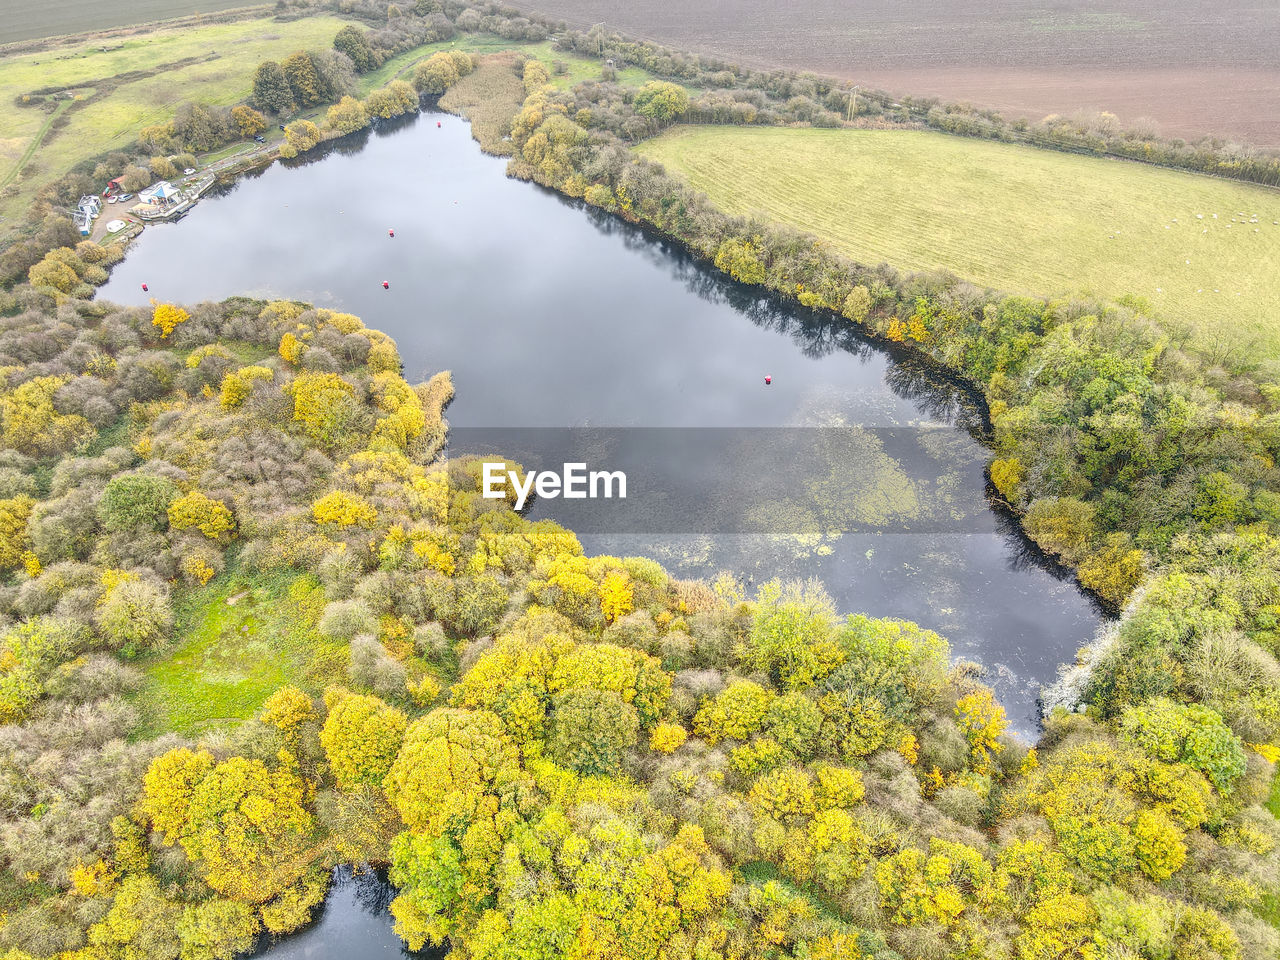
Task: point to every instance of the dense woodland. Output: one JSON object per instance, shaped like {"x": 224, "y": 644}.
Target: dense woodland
{"x": 559, "y": 755}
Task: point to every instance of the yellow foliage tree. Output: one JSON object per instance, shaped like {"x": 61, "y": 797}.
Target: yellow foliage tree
{"x": 167, "y": 318}
{"x": 667, "y": 737}
{"x": 211, "y": 517}
{"x": 615, "y": 596}
{"x": 14, "y": 513}
{"x": 344, "y": 509}
{"x": 290, "y": 349}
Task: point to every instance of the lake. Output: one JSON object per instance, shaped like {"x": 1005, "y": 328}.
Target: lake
{"x": 552, "y": 315}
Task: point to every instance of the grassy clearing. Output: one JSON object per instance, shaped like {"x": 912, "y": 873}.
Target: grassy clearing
{"x": 401, "y": 65}
{"x": 241, "y": 639}
{"x": 212, "y": 63}
{"x": 1011, "y": 217}
{"x": 579, "y": 69}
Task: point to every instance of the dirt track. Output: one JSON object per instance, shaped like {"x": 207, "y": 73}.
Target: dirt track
{"x": 1194, "y": 66}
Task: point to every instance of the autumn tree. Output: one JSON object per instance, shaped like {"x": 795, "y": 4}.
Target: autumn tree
{"x": 166, "y": 318}
{"x": 248, "y": 121}
{"x": 324, "y": 404}
{"x": 347, "y": 116}
{"x": 32, "y": 423}
{"x": 195, "y": 510}
{"x": 591, "y": 730}
{"x": 662, "y": 101}
{"x": 303, "y": 79}
{"x": 245, "y": 823}
{"x": 436, "y": 74}
{"x": 361, "y": 738}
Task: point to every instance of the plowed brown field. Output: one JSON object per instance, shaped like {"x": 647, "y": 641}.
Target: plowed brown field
{"x": 1193, "y": 66}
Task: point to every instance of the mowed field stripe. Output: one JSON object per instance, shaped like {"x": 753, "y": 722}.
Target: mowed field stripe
{"x": 1202, "y": 250}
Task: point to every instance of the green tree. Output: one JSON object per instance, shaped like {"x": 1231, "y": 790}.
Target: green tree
{"x": 662, "y": 101}
{"x": 271, "y": 90}
{"x": 591, "y": 731}
{"x": 136, "y": 501}
{"x": 857, "y": 305}
{"x": 791, "y": 635}
{"x": 352, "y": 41}
{"x": 1187, "y": 733}
{"x": 133, "y": 616}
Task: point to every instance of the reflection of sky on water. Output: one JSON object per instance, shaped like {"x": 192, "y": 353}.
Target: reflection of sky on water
{"x": 552, "y": 315}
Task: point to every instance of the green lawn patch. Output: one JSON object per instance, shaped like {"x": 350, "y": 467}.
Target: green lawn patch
{"x": 238, "y": 640}
{"x": 1201, "y": 251}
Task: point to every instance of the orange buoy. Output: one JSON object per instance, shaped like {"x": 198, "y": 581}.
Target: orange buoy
{"x": 768, "y": 380}
{"x": 144, "y": 288}
{"x": 385, "y": 285}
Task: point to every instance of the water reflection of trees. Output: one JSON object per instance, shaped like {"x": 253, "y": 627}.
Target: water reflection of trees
{"x": 817, "y": 334}
{"x": 939, "y": 396}
{"x": 372, "y": 892}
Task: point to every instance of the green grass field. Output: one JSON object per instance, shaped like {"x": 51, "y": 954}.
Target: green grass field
{"x": 239, "y": 640}
{"x": 233, "y": 51}
{"x": 1011, "y": 217}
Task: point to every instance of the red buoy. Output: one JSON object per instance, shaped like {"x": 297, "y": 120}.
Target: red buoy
{"x": 437, "y": 123}
{"x": 391, "y": 233}
{"x": 144, "y": 288}
{"x": 768, "y": 380}
{"x": 385, "y": 285}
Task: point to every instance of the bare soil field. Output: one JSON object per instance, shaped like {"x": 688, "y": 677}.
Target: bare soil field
{"x": 1193, "y": 66}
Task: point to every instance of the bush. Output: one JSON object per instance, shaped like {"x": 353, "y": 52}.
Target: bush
{"x": 136, "y": 501}
{"x": 133, "y": 617}
{"x": 345, "y": 619}
{"x": 591, "y": 731}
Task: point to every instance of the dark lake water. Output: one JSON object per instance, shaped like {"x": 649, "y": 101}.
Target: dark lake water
{"x": 553, "y": 315}
{"x": 354, "y": 923}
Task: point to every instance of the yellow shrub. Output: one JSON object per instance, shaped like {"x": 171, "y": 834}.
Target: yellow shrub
{"x": 167, "y": 318}
{"x": 290, "y": 348}
{"x": 211, "y": 517}
{"x": 667, "y": 737}
{"x": 237, "y": 386}
{"x": 344, "y": 509}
